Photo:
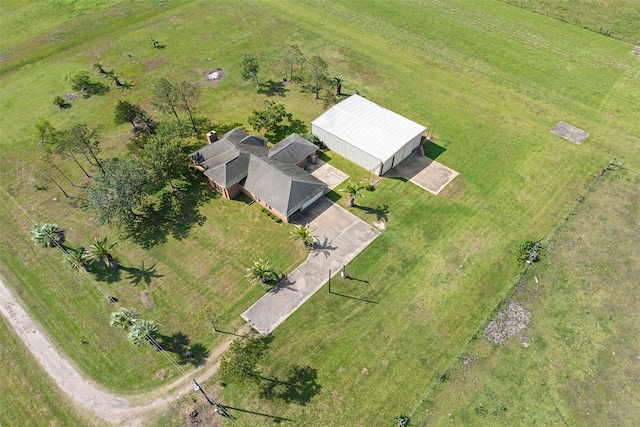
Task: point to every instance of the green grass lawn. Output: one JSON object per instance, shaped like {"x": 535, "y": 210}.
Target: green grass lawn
{"x": 621, "y": 18}
{"x": 27, "y": 395}
{"x": 577, "y": 363}
{"x": 492, "y": 78}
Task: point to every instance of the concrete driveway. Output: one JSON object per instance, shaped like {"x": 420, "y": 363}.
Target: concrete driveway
{"x": 424, "y": 172}
{"x": 340, "y": 237}
{"x": 326, "y": 173}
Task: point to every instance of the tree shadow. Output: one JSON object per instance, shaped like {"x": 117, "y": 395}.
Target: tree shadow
{"x": 323, "y": 247}
{"x": 295, "y": 126}
{"x": 175, "y": 214}
{"x": 299, "y": 387}
{"x": 379, "y": 211}
{"x": 95, "y": 88}
{"x": 271, "y": 88}
{"x": 187, "y": 352}
{"x": 105, "y": 273}
{"x": 142, "y": 274}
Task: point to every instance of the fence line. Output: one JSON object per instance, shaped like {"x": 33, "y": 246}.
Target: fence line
{"x": 509, "y": 291}
{"x": 572, "y": 20}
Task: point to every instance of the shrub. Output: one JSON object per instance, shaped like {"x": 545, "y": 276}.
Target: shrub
{"x": 369, "y": 187}
{"x": 59, "y": 102}
{"x": 272, "y": 216}
{"x": 315, "y": 140}
{"x": 522, "y": 250}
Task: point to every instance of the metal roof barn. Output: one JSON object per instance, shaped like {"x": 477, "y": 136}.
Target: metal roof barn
{"x": 368, "y": 134}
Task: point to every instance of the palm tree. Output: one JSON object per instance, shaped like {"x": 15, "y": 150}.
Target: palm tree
{"x": 100, "y": 251}
{"x": 261, "y": 271}
{"x": 48, "y": 235}
{"x": 123, "y": 318}
{"x": 144, "y": 123}
{"x": 353, "y": 190}
{"x": 143, "y": 330}
{"x": 302, "y": 233}
{"x": 77, "y": 258}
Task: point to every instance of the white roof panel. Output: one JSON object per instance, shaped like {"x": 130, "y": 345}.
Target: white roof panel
{"x": 369, "y": 126}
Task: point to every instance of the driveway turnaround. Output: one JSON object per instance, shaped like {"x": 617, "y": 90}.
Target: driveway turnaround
{"x": 339, "y": 237}
{"x": 424, "y": 172}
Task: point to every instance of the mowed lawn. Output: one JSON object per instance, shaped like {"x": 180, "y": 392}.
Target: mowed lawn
{"x": 492, "y": 79}
{"x": 577, "y": 363}
{"x": 27, "y": 395}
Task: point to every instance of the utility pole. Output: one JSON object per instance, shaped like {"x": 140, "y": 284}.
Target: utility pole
{"x": 217, "y": 407}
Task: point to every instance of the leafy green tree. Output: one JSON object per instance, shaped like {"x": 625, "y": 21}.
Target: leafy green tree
{"x": 317, "y": 73}
{"x": 101, "y": 251}
{"x": 48, "y": 235}
{"x": 119, "y": 192}
{"x": 79, "y": 80}
{"x": 143, "y": 331}
{"x": 269, "y": 118}
{"x": 187, "y": 96}
{"x": 123, "y": 318}
{"x": 127, "y": 112}
{"x": 77, "y": 258}
{"x": 250, "y": 68}
{"x": 242, "y": 358}
{"x": 46, "y": 132}
{"x": 164, "y": 159}
{"x": 164, "y": 98}
{"x": 353, "y": 190}
{"x": 207, "y": 313}
{"x": 59, "y": 102}
{"x": 302, "y": 233}
{"x": 261, "y": 271}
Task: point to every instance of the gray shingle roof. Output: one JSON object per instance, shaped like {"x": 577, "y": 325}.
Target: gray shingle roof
{"x": 271, "y": 174}
{"x": 292, "y": 149}
{"x": 283, "y": 186}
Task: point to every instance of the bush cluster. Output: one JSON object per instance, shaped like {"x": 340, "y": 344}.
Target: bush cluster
{"x": 272, "y": 216}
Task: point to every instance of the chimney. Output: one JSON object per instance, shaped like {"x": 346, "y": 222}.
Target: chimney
{"x": 212, "y": 136}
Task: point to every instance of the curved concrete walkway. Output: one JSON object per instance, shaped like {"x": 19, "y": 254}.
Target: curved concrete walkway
{"x": 340, "y": 237}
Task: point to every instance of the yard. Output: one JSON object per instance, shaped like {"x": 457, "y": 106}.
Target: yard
{"x": 493, "y": 79}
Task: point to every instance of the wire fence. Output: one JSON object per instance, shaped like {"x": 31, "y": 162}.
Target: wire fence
{"x": 512, "y": 287}
{"x": 570, "y": 18}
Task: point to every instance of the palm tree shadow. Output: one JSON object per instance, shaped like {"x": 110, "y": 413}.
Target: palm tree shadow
{"x": 299, "y": 387}
{"x": 142, "y": 274}
{"x": 379, "y": 211}
{"x": 322, "y": 247}
{"x": 105, "y": 273}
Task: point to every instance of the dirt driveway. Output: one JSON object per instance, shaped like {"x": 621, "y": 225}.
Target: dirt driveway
{"x": 340, "y": 237}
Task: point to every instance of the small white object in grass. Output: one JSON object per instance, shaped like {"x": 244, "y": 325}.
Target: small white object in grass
{"x": 536, "y": 278}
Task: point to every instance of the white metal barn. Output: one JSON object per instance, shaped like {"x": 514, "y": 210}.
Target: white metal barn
{"x": 367, "y": 134}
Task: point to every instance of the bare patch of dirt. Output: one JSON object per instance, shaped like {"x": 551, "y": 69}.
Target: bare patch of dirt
{"x": 154, "y": 63}
{"x": 508, "y": 322}
{"x": 70, "y": 96}
{"x": 145, "y": 296}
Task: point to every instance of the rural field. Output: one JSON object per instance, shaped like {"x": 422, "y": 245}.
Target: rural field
{"x": 489, "y": 78}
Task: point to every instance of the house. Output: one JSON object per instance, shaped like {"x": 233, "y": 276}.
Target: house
{"x": 273, "y": 176}
{"x": 368, "y": 134}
